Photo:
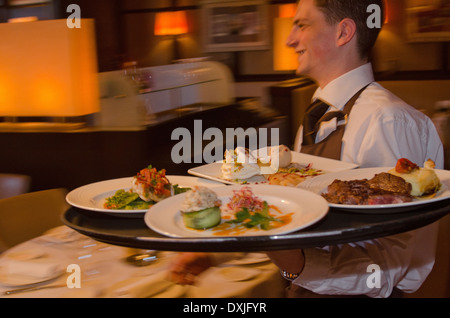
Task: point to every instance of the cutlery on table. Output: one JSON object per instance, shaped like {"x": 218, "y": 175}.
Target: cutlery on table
{"x": 29, "y": 289}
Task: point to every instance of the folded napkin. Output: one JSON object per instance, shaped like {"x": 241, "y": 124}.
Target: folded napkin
{"x": 140, "y": 287}
{"x": 41, "y": 268}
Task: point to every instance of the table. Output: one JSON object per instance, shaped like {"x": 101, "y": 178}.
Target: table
{"x": 338, "y": 226}
{"x": 42, "y": 262}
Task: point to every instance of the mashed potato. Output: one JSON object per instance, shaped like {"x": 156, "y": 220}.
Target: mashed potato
{"x": 424, "y": 180}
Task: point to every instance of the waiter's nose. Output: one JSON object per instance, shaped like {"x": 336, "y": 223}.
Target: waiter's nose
{"x": 291, "y": 40}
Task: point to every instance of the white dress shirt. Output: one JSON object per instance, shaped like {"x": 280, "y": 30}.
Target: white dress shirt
{"x": 381, "y": 129}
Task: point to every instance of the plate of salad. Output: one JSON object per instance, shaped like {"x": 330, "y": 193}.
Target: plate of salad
{"x": 245, "y": 211}
{"x": 133, "y": 196}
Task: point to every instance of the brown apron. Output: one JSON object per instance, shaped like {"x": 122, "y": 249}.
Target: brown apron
{"x": 331, "y": 146}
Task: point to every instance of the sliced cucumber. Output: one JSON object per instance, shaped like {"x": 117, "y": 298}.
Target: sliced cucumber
{"x": 202, "y": 219}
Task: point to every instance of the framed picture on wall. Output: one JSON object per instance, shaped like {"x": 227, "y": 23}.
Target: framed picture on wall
{"x": 26, "y": 2}
{"x": 428, "y": 21}
{"x": 235, "y": 25}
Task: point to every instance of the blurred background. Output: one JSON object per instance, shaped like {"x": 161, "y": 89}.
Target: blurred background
{"x": 125, "y": 31}
{"x": 138, "y": 69}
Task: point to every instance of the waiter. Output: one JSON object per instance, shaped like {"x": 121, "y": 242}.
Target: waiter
{"x": 354, "y": 119}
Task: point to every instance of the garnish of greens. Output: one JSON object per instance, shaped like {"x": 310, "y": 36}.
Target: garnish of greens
{"x": 177, "y": 189}
{"x": 128, "y": 200}
{"x": 251, "y": 219}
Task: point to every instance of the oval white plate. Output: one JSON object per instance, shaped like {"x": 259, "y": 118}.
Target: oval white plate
{"x": 307, "y": 208}
{"x": 320, "y": 184}
{"x": 92, "y": 196}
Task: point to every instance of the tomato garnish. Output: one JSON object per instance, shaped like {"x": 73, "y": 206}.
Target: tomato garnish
{"x": 405, "y": 166}
{"x": 155, "y": 179}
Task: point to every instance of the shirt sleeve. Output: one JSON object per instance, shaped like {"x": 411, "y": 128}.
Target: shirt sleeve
{"x": 384, "y": 141}
{"x": 371, "y": 268}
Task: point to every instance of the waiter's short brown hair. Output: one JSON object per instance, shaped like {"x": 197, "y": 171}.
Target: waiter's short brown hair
{"x": 336, "y": 10}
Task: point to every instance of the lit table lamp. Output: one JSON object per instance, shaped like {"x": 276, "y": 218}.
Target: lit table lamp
{"x": 172, "y": 23}
{"x": 284, "y": 57}
{"x": 48, "y": 70}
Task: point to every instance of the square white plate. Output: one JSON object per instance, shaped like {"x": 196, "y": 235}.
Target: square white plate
{"x": 212, "y": 171}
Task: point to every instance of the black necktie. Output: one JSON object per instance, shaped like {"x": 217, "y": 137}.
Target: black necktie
{"x": 314, "y": 115}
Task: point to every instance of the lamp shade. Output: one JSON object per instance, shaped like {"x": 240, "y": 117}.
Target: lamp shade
{"x": 287, "y": 10}
{"x": 171, "y": 23}
{"x": 284, "y": 57}
{"x": 48, "y": 69}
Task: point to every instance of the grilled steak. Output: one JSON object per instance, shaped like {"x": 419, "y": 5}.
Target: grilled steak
{"x": 390, "y": 183}
{"x": 384, "y": 188}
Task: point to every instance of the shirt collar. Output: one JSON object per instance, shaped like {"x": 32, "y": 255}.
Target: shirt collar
{"x": 339, "y": 91}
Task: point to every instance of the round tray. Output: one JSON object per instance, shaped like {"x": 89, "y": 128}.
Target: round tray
{"x": 336, "y": 227}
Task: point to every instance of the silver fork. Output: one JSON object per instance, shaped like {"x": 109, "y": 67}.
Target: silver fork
{"x": 28, "y": 289}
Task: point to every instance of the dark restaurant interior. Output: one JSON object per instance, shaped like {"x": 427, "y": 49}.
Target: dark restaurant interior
{"x": 132, "y": 80}
{"x": 124, "y": 31}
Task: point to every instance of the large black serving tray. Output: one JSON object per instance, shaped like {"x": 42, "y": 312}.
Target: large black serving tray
{"x": 338, "y": 226}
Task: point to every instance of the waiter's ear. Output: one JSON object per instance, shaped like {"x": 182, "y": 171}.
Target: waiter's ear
{"x": 346, "y": 31}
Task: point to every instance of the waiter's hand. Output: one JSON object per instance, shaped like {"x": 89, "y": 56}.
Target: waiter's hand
{"x": 187, "y": 266}
{"x": 291, "y": 261}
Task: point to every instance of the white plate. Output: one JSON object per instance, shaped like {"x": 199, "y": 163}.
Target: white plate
{"x": 320, "y": 184}
{"x": 92, "y": 196}
{"x": 307, "y": 208}
{"x": 213, "y": 171}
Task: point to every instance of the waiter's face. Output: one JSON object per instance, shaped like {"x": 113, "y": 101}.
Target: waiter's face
{"x": 313, "y": 40}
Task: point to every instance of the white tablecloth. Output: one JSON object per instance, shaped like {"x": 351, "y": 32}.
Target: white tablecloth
{"x": 56, "y": 258}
